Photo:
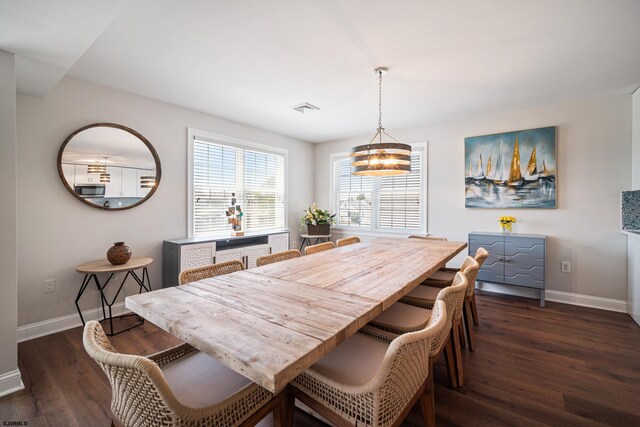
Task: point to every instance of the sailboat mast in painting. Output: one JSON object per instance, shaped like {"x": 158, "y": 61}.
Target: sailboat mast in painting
{"x": 497, "y": 187}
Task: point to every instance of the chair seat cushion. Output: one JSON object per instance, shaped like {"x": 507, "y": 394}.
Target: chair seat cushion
{"x": 353, "y": 362}
{"x": 402, "y": 318}
{"x": 442, "y": 276}
{"x": 198, "y": 380}
{"x": 426, "y": 293}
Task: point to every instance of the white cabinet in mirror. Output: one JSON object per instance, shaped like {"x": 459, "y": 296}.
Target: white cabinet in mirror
{"x": 109, "y": 166}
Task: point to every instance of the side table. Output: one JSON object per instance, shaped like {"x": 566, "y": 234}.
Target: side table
{"x": 320, "y": 238}
{"x": 92, "y": 269}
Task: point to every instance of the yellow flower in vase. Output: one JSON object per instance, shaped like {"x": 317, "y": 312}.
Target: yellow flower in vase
{"x": 506, "y": 223}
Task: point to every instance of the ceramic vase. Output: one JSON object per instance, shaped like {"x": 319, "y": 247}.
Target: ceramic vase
{"x": 119, "y": 253}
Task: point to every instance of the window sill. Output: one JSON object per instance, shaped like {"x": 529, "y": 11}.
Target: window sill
{"x": 351, "y": 231}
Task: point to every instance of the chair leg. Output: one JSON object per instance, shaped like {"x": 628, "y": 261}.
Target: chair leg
{"x": 427, "y": 399}
{"x": 474, "y": 309}
{"x": 463, "y": 339}
{"x": 451, "y": 366}
{"x": 283, "y": 415}
{"x": 471, "y": 339}
{"x": 457, "y": 352}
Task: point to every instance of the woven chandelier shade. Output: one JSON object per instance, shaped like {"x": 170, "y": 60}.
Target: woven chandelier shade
{"x": 383, "y": 155}
{"x": 147, "y": 181}
{"x": 96, "y": 168}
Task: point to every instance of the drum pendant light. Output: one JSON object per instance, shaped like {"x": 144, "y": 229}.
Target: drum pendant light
{"x": 381, "y": 157}
{"x": 105, "y": 177}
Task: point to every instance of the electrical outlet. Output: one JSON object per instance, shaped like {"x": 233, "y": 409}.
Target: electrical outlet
{"x": 49, "y": 286}
{"x": 565, "y": 267}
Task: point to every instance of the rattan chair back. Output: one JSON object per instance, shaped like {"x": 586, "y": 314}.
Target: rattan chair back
{"x": 382, "y": 399}
{"x": 199, "y": 273}
{"x": 453, "y": 297}
{"x": 277, "y": 257}
{"x": 347, "y": 241}
{"x": 481, "y": 255}
{"x": 471, "y": 270}
{"x": 319, "y": 248}
{"x": 141, "y": 395}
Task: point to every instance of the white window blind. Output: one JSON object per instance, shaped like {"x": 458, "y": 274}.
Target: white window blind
{"x": 256, "y": 177}
{"x": 390, "y": 203}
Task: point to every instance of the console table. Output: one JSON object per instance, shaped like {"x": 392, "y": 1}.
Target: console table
{"x": 181, "y": 254}
{"x": 514, "y": 259}
{"x": 91, "y": 271}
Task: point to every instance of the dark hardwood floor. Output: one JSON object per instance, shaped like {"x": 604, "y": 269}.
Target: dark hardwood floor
{"x": 560, "y": 365}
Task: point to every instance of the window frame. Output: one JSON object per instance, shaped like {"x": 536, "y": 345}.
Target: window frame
{"x": 422, "y": 146}
{"x": 238, "y": 143}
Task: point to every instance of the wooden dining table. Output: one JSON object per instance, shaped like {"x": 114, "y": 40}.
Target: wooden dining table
{"x": 271, "y": 323}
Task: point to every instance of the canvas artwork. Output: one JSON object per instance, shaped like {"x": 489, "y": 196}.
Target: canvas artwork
{"x": 511, "y": 170}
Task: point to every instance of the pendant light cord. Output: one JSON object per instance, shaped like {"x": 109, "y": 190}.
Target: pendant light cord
{"x": 380, "y": 99}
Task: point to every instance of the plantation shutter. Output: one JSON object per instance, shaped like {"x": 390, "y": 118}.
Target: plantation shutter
{"x": 353, "y": 196}
{"x": 256, "y": 178}
{"x": 399, "y": 198}
{"x": 263, "y": 191}
{"x": 387, "y": 203}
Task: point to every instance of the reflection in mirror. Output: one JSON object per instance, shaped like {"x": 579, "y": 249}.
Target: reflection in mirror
{"x": 109, "y": 166}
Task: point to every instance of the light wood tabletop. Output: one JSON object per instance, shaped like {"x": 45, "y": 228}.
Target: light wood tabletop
{"x": 271, "y": 323}
{"x": 104, "y": 266}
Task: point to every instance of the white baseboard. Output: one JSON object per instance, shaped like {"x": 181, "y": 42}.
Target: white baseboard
{"x": 10, "y": 382}
{"x": 587, "y": 301}
{"x": 46, "y": 327}
{"x": 558, "y": 296}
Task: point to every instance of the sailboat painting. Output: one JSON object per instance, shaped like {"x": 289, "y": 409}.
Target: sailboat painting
{"x": 520, "y": 171}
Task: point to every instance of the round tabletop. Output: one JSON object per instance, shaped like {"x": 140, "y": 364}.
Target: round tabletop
{"x": 315, "y": 236}
{"x": 104, "y": 266}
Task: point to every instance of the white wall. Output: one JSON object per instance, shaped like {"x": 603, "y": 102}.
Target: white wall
{"x": 594, "y": 155}
{"x": 9, "y": 374}
{"x": 56, "y": 232}
{"x": 633, "y": 297}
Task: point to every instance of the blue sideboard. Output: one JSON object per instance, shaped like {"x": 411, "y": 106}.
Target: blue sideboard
{"x": 514, "y": 259}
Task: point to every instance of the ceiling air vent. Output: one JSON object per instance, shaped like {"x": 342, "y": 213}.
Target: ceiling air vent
{"x": 305, "y": 108}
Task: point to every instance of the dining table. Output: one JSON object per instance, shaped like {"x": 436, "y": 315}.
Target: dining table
{"x": 270, "y": 323}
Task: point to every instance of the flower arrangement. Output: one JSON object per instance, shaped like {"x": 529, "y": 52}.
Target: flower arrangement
{"x": 506, "y": 223}
{"x": 316, "y": 216}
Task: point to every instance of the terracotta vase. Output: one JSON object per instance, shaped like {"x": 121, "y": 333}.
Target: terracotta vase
{"x": 119, "y": 253}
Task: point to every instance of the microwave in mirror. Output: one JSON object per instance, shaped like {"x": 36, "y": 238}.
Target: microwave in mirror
{"x": 90, "y": 190}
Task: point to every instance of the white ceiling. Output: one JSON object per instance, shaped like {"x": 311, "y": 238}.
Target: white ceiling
{"x": 250, "y": 61}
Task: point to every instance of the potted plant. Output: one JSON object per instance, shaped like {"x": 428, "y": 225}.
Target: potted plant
{"x": 318, "y": 221}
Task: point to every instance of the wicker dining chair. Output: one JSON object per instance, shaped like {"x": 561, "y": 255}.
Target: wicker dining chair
{"x": 402, "y": 318}
{"x": 199, "y": 273}
{"x": 277, "y": 257}
{"x": 319, "y": 248}
{"x": 444, "y": 276}
{"x": 177, "y": 387}
{"x": 370, "y": 382}
{"x": 347, "y": 241}
{"x": 440, "y": 345}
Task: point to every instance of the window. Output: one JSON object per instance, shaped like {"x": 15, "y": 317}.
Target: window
{"x": 389, "y": 203}
{"x": 221, "y": 167}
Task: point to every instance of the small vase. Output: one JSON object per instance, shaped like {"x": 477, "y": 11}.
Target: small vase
{"x": 506, "y": 229}
{"x": 119, "y": 253}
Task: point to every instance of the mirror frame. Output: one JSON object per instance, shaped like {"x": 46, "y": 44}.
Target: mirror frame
{"x": 146, "y": 142}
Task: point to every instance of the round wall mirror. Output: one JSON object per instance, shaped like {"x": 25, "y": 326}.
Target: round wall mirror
{"x": 109, "y": 166}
